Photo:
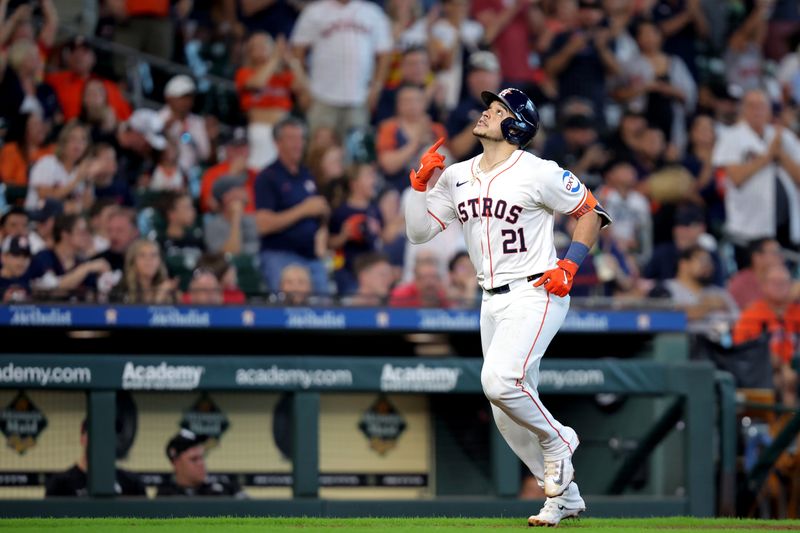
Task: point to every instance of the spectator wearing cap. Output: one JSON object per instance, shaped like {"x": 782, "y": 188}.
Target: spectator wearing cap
{"x": 236, "y": 153}
{"x": 65, "y": 175}
{"x": 483, "y": 74}
{"x": 290, "y": 211}
{"x": 14, "y": 263}
{"x": 402, "y": 139}
{"x": 62, "y": 268}
{"x": 74, "y": 482}
{"x": 187, "y": 455}
{"x": 43, "y": 219}
{"x": 182, "y": 126}
{"x": 14, "y": 223}
{"x": 761, "y": 165}
{"x": 140, "y": 140}
{"x": 581, "y": 57}
{"x": 24, "y": 146}
{"x": 414, "y": 69}
{"x": 683, "y": 23}
{"x": 659, "y": 85}
{"x": 349, "y": 43}
{"x": 577, "y": 145}
{"x": 689, "y": 230}
{"x": 69, "y": 84}
{"x": 271, "y": 79}
{"x": 231, "y": 230}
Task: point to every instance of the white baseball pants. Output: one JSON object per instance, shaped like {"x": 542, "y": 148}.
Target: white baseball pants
{"x": 516, "y": 328}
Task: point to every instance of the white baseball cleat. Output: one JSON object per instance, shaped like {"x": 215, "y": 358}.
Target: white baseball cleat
{"x": 552, "y": 514}
{"x": 557, "y": 476}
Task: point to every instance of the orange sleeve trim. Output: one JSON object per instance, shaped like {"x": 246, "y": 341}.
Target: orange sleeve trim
{"x": 587, "y": 203}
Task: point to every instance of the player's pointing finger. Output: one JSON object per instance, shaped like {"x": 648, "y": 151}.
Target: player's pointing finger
{"x": 436, "y": 145}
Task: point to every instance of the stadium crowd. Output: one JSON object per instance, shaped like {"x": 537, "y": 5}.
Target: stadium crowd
{"x": 286, "y": 186}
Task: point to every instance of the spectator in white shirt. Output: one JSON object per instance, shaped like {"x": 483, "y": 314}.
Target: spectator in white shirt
{"x": 349, "y": 43}
{"x": 63, "y": 176}
{"x": 762, "y": 166}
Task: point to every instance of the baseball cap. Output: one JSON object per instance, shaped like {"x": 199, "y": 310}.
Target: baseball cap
{"x": 16, "y": 246}
{"x": 78, "y": 41}
{"x": 178, "y": 86}
{"x": 484, "y": 60}
{"x": 589, "y": 4}
{"x": 151, "y": 125}
{"x": 579, "y": 122}
{"x": 225, "y": 183}
{"x": 237, "y": 136}
{"x": 181, "y": 442}
{"x": 686, "y": 215}
{"x": 45, "y": 209}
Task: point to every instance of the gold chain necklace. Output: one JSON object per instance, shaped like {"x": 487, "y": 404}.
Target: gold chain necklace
{"x": 482, "y": 171}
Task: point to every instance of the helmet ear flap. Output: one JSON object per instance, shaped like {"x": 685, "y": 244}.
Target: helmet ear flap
{"x": 516, "y": 131}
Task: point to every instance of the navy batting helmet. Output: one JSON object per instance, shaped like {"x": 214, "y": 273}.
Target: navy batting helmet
{"x": 522, "y": 127}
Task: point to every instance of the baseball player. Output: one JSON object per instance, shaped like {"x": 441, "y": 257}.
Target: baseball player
{"x": 504, "y": 200}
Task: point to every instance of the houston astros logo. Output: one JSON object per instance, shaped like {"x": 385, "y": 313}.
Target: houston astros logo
{"x": 570, "y": 182}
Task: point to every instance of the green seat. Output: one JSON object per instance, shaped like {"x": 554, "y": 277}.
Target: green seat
{"x": 248, "y": 274}
{"x": 15, "y": 195}
{"x": 178, "y": 268}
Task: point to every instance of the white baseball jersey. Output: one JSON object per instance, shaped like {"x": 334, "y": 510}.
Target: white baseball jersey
{"x": 506, "y": 213}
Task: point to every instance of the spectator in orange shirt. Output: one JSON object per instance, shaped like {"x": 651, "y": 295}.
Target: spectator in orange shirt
{"x": 402, "y": 138}
{"x": 24, "y": 146}
{"x": 236, "y": 153}
{"x": 270, "y": 77}
{"x": 776, "y": 315}
{"x": 69, "y": 84}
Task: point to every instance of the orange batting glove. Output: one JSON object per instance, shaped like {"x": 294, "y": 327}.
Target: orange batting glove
{"x": 558, "y": 280}
{"x": 429, "y": 161}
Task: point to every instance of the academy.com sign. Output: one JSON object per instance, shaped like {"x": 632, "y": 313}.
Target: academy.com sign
{"x": 161, "y": 377}
{"x": 44, "y": 375}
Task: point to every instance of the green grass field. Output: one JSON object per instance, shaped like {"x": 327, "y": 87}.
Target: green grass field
{"x": 376, "y": 525}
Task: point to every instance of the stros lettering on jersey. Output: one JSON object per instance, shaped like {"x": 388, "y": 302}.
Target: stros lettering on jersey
{"x": 507, "y": 213}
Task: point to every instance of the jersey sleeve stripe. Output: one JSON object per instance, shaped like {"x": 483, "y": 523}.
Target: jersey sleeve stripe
{"x": 442, "y": 224}
{"x": 580, "y": 204}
